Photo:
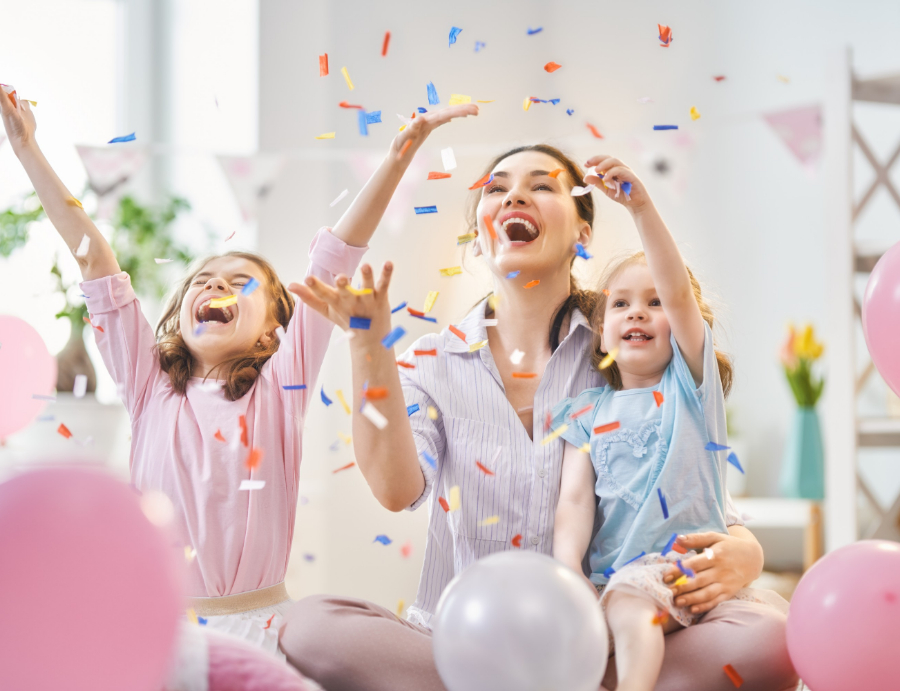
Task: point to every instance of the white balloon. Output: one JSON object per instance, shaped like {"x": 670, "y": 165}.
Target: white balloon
{"x": 520, "y": 621}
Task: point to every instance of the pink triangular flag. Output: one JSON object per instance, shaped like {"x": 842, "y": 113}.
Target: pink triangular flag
{"x": 251, "y": 178}
{"x": 108, "y": 169}
{"x": 801, "y": 130}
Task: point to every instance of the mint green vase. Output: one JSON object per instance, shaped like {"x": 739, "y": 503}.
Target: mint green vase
{"x": 803, "y": 465}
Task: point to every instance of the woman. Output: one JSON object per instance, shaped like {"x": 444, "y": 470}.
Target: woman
{"x": 487, "y": 411}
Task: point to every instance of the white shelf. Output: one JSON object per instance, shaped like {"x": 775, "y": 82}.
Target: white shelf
{"x": 774, "y": 512}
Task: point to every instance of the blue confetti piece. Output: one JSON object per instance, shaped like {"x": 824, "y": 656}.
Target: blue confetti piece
{"x": 454, "y": 32}
{"x": 46, "y": 418}
{"x": 373, "y": 117}
{"x": 581, "y": 252}
{"x": 634, "y": 558}
{"x": 662, "y": 502}
{"x": 325, "y": 399}
{"x": 334, "y": 447}
{"x": 309, "y": 557}
{"x": 399, "y": 307}
{"x": 363, "y": 126}
{"x": 733, "y": 459}
{"x": 513, "y": 274}
{"x": 479, "y": 45}
{"x": 432, "y": 461}
{"x": 626, "y": 188}
{"x": 294, "y": 387}
{"x": 422, "y": 110}
{"x": 424, "y": 318}
{"x": 554, "y": 101}
{"x": 712, "y": 446}
{"x": 363, "y": 323}
{"x": 569, "y": 111}
{"x": 665, "y": 127}
{"x": 394, "y": 336}
{"x": 609, "y": 572}
{"x": 200, "y": 329}
{"x": 433, "y": 99}
{"x": 202, "y": 621}
{"x": 250, "y": 286}
{"x": 532, "y": 32}
{"x": 669, "y": 544}
{"x": 685, "y": 570}
{"x": 410, "y": 409}
{"x": 426, "y": 209}
{"x": 86, "y": 297}
{"x": 383, "y": 539}
{"x": 119, "y": 140}
{"x": 535, "y": 99}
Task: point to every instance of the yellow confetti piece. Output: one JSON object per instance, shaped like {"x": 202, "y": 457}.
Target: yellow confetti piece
{"x": 34, "y": 103}
{"x": 223, "y": 302}
{"x": 493, "y": 299}
{"x": 783, "y": 79}
{"x": 74, "y": 202}
{"x": 327, "y": 135}
{"x": 695, "y": 114}
{"x": 554, "y": 434}
{"x": 609, "y": 359}
{"x": 432, "y": 412}
{"x": 402, "y": 127}
{"x": 192, "y": 617}
{"x": 463, "y": 239}
{"x": 340, "y": 397}
{"x": 400, "y": 607}
{"x": 359, "y": 291}
{"x": 586, "y": 447}
{"x": 490, "y": 520}
{"x": 681, "y": 581}
{"x": 477, "y": 346}
{"x": 526, "y": 104}
{"x": 459, "y": 99}
{"x": 430, "y": 298}
{"x": 454, "y": 498}
{"x": 189, "y": 553}
{"x": 452, "y": 271}
{"x": 347, "y": 78}
{"x": 491, "y": 101}
{"x": 346, "y": 438}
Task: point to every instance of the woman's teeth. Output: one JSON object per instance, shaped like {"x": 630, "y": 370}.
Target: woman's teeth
{"x": 520, "y": 230}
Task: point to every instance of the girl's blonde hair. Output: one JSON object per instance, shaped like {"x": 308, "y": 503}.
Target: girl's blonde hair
{"x": 238, "y": 372}
{"x": 612, "y": 374}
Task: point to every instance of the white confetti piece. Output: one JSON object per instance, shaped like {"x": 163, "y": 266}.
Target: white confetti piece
{"x": 80, "y": 386}
{"x": 488, "y": 322}
{"x": 252, "y": 484}
{"x": 279, "y": 331}
{"x": 448, "y": 158}
{"x": 83, "y": 247}
{"x": 339, "y": 197}
{"x": 163, "y": 261}
{"x": 579, "y": 191}
{"x": 516, "y": 357}
{"x": 374, "y": 416}
{"x": 42, "y": 397}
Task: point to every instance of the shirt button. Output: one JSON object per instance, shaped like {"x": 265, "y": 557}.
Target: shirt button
{"x": 541, "y": 472}
{"x": 534, "y": 539}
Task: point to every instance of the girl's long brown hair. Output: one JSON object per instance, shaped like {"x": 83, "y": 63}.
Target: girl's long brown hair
{"x": 583, "y": 300}
{"x": 238, "y": 372}
{"x": 612, "y": 373}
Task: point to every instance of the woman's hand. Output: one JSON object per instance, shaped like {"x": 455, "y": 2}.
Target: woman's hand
{"x": 615, "y": 173}
{"x": 735, "y": 562}
{"x": 425, "y": 123}
{"x": 18, "y": 120}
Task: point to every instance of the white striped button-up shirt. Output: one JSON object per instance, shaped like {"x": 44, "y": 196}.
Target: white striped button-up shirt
{"x": 476, "y": 423}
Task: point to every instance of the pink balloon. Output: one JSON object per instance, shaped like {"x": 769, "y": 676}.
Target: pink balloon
{"x": 89, "y": 588}
{"x": 881, "y": 317}
{"x": 843, "y": 628}
{"x": 26, "y": 368}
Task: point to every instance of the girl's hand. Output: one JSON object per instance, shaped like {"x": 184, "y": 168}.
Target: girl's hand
{"x": 734, "y": 564}
{"x": 614, "y": 171}
{"x": 18, "y": 120}
{"x": 425, "y": 123}
{"x": 338, "y": 303}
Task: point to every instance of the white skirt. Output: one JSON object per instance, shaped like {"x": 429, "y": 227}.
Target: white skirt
{"x": 259, "y": 627}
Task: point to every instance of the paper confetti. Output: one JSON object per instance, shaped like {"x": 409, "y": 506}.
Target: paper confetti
{"x": 678, "y": 548}
{"x": 665, "y": 127}
{"x": 254, "y": 458}
{"x": 323, "y": 65}
{"x": 532, "y": 284}
{"x": 432, "y": 413}
{"x": 665, "y": 35}
{"x": 399, "y": 307}
{"x": 431, "y": 460}
{"x": 339, "y": 197}
{"x": 524, "y": 375}
{"x": 634, "y": 558}
{"x": 405, "y": 148}
{"x": 218, "y": 436}
{"x": 192, "y": 616}
{"x": 464, "y": 239}
{"x": 695, "y": 114}
{"x": 490, "y": 520}
{"x": 454, "y": 498}
{"x": 626, "y": 188}
{"x": 89, "y": 323}
{"x": 407, "y": 365}
{"x": 609, "y": 427}
{"x": 162, "y": 261}
{"x": 444, "y": 505}
{"x": 343, "y": 467}
{"x": 347, "y": 78}
{"x": 362, "y": 323}
{"x": 484, "y": 469}
{"x": 479, "y": 45}
{"x": 83, "y": 247}
{"x": 343, "y": 401}
{"x": 594, "y": 130}
{"x": 327, "y": 135}
{"x": 226, "y": 301}
{"x": 570, "y": 111}
{"x": 660, "y": 618}
{"x": 609, "y": 359}
{"x": 376, "y": 393}
{"x": 383, "y": 539}
{"x": 384, "y": 46}
{"x": 374, "y": 416}
{"x": 346, "y": 438}
{"x": 783, "y": 79}
{"x": 658, "y": 397}
{"x": 552, "y": 67}
{"x": 526, "y": 104}
{"x": 63, "y": 430}
{"x": 373, "y": 117}
{"x": 448, "y": 158}
{"x": 438, "y": 176}
{"x": 483, "y": 182}
{"x": 252, "y": 484}
{"x": 42, "y": 397}
{"x": 733, "y": 459}
{"x": 555, "y": 172}
{"x": 681, "y": 581}
{"x": 662, "y": 502}
{"x": 608, "y": 572}
{"x": 410, "y": 409}
{"x": 712, "y": 446}
{"x": 451, "y": 271}
{"x": 532, "y": 32}
{"x": 420, "y": 315}
{"x": 250, "y": 286}
{"x": 363, "y": 123}
{"x": 579, "y": 191}
{"x": 74, "y": 202}
{"x": 269, "y": 622}
{"x": 669, "y": 544}
{"x": 395, "y": 335}
{"x": 120, "y": 140}
{"x": 79, "y": 388}
{"x": 458, "y": 99}
{"x": 433, "y": 98}
{"x": 732, "y": 674}
{"x": 454, "y": 32}
{"x": 516, "y": 541}
{"x": 685, "y": 570}
{"x": 708, "y": 553}
{"x": 456, "y": 332}
{"x": 344, "y": 104}
{"x": 358, "y": 291}
{"x": 327, "y": 401}
{"x": 425, "y": 209}
{"x": 554, "y": 434}
{"x": 477, "y": 346}
{"x": 581, "y": 252}
{"x": 516, "y": 357}
{"x": 420, "y": 353}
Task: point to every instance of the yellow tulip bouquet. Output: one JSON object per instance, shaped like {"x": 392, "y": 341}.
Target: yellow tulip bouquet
{"x": 798, "y": 354}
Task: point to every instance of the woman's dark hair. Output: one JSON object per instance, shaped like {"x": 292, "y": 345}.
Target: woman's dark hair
{"x": 583, "y": 300}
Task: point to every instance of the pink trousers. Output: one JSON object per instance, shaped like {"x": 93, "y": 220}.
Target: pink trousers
{"x": 352, "y": 645}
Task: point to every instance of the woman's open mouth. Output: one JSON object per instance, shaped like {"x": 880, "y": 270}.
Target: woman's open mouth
{"x": 520, "y": 229}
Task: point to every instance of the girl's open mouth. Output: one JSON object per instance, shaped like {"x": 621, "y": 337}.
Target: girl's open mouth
{"x": 206, "y": 314}
{"x": 636, "y": 336}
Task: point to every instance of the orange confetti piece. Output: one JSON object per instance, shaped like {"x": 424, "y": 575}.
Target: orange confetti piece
{"x": 484, "y": 469}
{"x": 384, "y": 46}
{"x": 489, "y": 224}
{"x": 439, "y": 176}
{"x": 323, "y": 65}
{"x": 524, "y": 375}
{"x": 482, "y": 182}
{"x": 552, "y": 66}
{"x": 665, "y": 35}
{"x": 343, "y": 467}
{"x": 405, "y": 147}
{"x": 658, "y": 397}
{"x": 532, "y": 284}
{"x": 555, "y": 172}
{"x": 594, "y": 130}
{"x": 406, "y": 550}
{"x": 678, "y": 548}
{"x": 661, "y": 618}
{"x": 88, "y": 322}
{"x": 344, "y": 104}
{"x": 242, "y": 421}
{"x": 605, "y": 292}
{"x": 405, "y": 364}
{"x": 732, "y": 674}
{"x": 415, "y": 312}
{"x": 63, "y": 430}
{"x": 420, "y": 353}
{"x": 456, "y": 332}
{"x": 579, "y": 413}
{"x": 269, "y": 622}
{"x": 444, "y": 505}
{"x": 218, "y": 436}
{"x": 606, "y": 428}
{"x": 254, "y": 458}
{"x": 517, "y": 541}
{"x": 376, "y": 393}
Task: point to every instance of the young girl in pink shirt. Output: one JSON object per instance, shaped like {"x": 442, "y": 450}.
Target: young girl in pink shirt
{"x": 217, "y": 396}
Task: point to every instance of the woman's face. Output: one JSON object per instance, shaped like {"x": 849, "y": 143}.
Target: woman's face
{"x": 537, "y": 213}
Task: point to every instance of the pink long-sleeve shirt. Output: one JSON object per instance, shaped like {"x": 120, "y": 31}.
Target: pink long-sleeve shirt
{"x": 242, "y": 538}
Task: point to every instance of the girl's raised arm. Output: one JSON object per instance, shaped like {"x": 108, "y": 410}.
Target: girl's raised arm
{"x": 670, "y": 275}
{"x": 63, "y": 210}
